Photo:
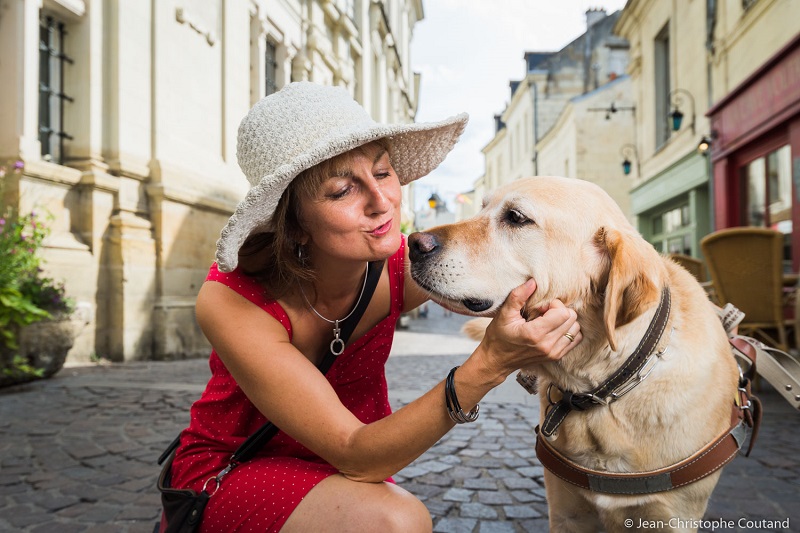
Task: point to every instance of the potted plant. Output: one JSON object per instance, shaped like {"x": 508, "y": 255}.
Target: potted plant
{"x": 35, "y": 328}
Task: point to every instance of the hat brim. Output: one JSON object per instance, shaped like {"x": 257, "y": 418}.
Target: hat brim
{"x": 416, "y": 149}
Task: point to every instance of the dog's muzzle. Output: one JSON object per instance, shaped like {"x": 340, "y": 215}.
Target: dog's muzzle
{"x": 423, "y": 248}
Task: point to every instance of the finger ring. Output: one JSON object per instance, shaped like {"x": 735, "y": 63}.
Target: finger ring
{"x": 570, "y": 336}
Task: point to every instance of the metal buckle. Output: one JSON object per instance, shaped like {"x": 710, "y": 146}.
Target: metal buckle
{"x": 647, "y": 368}
{"x": 218, "y": 478}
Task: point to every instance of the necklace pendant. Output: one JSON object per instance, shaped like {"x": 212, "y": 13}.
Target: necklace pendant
{"x": 337, "y": 344}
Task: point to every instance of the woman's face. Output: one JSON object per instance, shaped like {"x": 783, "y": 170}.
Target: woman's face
{"x": 356, "y": 213}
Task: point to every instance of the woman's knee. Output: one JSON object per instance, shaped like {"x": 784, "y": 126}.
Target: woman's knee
{"x": 403, "y": 512}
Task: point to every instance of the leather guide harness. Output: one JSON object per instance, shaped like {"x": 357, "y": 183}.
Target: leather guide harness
{"x": 622, "y": 381}
{"x": 745, "y": 412}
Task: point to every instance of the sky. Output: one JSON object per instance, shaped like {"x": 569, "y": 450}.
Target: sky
{"x": 467, "y": 51}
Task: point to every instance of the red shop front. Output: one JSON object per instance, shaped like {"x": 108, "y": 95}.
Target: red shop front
{"x": 756, "y": 151}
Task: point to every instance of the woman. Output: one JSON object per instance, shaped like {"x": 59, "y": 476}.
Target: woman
{"x": 291, "y": 262}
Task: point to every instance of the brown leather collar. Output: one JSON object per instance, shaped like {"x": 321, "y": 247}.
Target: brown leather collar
{"x": 609, "y": 390}
{"x": 745, "y": 411}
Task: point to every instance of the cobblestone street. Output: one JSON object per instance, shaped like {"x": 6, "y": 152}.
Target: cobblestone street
{"x": 78, "y": 452}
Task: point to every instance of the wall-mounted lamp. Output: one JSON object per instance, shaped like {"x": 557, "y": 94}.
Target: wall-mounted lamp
{"x": 705, "y": 143}
{"x": 628, "y": 152}
{"x": 613, "y": 108}
{"x": 676, "y": 115}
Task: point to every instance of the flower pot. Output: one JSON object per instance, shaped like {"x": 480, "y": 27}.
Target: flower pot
{"x": 43, "y": 345}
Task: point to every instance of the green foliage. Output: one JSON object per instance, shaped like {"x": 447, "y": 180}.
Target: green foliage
{"x": 20, "y": 368}
{"x": 26, "y": 294}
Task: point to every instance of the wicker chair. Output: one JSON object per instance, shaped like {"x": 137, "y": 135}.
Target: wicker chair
{"x": 746, "y": 270}
{"x": 692, "y": 264}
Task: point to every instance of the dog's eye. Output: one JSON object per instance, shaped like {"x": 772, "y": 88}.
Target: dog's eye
{"x": 516, "y": 218}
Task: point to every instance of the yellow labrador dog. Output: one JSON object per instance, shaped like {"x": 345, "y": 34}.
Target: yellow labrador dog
{"x": 572, "y": 238}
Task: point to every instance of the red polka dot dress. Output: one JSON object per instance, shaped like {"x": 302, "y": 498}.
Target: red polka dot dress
{"x": 259, "y": 495}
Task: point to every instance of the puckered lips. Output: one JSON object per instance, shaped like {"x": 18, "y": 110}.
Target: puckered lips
{"x": 383, "y": 229}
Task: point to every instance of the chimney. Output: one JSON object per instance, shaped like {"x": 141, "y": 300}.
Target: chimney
{"x": 594, "y": 15}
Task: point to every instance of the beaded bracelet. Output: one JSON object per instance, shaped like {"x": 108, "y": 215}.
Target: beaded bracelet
{"x": 457, "y": 415}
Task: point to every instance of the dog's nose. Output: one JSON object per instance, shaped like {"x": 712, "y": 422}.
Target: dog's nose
{"x": 422, "y": 245}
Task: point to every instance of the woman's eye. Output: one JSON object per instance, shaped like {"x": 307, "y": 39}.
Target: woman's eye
{"x": 339, "y": 194}
{"x": 516, "y": 218}
{"x": 382, "y": 175}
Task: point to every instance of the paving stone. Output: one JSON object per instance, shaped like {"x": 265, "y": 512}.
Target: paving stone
{"x": 520, "y": 511}
{"x": 470, "y": 452}
{"x": 139, "y": 512}
{"x": 528, "y": 496}
{"x": 438, "y": 507}
{"x": 20, "y": 516}
{"x": 455, "y": 525}
{"x": 60, "y": 527}
{"x": 464, "y": 472}
{"x": 434, "y": 466}
{"x": 513, "y": 483}
{"x": 531, "y": 471}
{"x": 493, "y": 526}
{"x": 490, "y": 497}
{"x": 52, "y": 501}
{"x": 477, "y": 510}
{"x": 535, "y": 526}
{"x": 458, "y": 495}
{"x": 481, "y": 484}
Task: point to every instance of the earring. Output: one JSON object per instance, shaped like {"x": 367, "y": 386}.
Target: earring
{"x": 301, "y": 256}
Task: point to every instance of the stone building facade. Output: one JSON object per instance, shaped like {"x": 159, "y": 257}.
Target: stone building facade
{"x": 523, "y": 142}
{"x": 696, "y": 58}
{"x": 125, "y": 115}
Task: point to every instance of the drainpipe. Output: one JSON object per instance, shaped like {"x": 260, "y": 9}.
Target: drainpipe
{"x": 711, "y": 22}
{"x": 535, "y": 95}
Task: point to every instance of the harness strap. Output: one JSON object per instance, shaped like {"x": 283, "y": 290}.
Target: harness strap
{"x": 708, "y": 460}
{"x": 573, "y": 401}
{"x": 745, "y": 412}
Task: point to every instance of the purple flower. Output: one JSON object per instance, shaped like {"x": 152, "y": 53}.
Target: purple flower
{"x": 19, "y": 164}
{"x": 2, "y": 222}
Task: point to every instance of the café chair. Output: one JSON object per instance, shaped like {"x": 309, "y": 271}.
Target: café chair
{"x": 692, "y": 264}
{"x": 746, "y": 269}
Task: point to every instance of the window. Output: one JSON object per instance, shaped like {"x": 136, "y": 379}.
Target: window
{"x": 271, "y": 68}
{"x": 52, "y": 62}
{"x": 672, "y": 230}
{"x": 768, "y": 194}
{"x": 662, "y": 85}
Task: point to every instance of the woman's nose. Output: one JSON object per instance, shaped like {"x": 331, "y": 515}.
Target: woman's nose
{"x": 377, "y": 197}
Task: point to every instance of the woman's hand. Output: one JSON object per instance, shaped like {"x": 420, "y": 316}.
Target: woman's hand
{"x": 511, "y": 342}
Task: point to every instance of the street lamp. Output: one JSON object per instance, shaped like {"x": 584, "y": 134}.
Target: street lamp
{"x": 629, "y": 151}
{"x": 676, "y": 115}
{"x": 433, "y": 201}
{"x": 705, "y": 143}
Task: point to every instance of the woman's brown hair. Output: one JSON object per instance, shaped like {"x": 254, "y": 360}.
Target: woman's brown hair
{"x": 272, "y": 257}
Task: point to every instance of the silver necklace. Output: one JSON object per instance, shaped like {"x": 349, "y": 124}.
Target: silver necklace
{"x": 337, "y": 344}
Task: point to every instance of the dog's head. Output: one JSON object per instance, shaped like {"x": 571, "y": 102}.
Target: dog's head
{"x": 566, "y": 234}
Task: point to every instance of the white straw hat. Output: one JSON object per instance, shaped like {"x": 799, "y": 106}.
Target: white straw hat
{"x": 304, "y": 124}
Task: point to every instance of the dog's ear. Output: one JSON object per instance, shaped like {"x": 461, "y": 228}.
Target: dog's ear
{"x": 628, "y": 289}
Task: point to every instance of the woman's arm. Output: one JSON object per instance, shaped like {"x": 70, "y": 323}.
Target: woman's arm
{"x": 288, "y": 389}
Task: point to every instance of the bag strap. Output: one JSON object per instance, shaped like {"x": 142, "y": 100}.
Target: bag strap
{"x": 257, "y": 440}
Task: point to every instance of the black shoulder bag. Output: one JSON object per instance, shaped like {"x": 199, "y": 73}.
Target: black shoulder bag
{"x": 183, "y": 508}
